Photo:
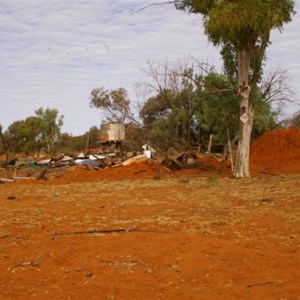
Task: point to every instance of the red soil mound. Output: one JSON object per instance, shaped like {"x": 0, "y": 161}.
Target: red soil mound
{"x": 278, "y": 149}
{"x": 140, "y": 170}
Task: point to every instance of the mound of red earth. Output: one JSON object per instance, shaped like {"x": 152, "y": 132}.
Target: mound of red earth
{"x": 277, "y": 151}
{"x": 139, "y": 170}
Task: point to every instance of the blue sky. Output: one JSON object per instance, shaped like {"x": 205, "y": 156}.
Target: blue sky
{"x": 53, "y": 53}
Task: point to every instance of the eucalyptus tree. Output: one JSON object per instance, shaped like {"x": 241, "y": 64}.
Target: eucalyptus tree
{"x": 28, "y": 134}
{"x": 114, "y": 103}
{"x": 242, "y": 28}
{"x": 52, "y": 124}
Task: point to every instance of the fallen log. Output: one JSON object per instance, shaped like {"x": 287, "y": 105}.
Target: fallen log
{"x": 6, "y": 180}
{"x": 90, "y": 231}
{"x": 260, "y": 283}
{"x": 117, "y": 230}
{"x": 22, "y": 178}
{"x": 42, "y": 175}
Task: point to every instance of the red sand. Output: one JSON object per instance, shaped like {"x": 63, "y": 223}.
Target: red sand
{"x": 200, "y": 239}
{"x": 278, "y": 150}
{"x": 142, "y": 170}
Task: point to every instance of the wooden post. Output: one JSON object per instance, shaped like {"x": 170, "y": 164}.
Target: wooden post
{"x": 87, "y": 146}
{"x": 209, "y": 144}
{"x": 4, "y": 145}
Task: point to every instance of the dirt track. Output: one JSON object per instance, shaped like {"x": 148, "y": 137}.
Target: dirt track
{"x": 186, "y": 237}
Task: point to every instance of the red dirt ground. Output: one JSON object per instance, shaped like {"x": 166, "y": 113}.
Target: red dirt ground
{"x": 190, "y": 234}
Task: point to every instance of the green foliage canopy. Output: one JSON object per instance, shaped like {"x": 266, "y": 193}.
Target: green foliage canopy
{"x": 241, "y": 25}
{"x": 51, "y": 125}
{"x": 35, "y": 132}
{"x": 115, "y": 103}
{"x": 208, "y": 106}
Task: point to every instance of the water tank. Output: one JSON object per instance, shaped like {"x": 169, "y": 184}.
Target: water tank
{"x": 112, "y": 132}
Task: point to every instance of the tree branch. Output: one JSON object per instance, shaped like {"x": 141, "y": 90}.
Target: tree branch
{"x": 155, "y": 4}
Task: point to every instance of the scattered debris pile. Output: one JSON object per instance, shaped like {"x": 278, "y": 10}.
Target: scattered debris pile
{"x": 113, "y": 164}
{"x": 182, "y": 161}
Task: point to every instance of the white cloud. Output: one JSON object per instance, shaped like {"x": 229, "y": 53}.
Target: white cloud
{"x": 53, "y": 53}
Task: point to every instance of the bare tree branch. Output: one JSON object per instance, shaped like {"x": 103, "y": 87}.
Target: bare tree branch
{"x": 155, "y": 4}
{"x": 276, "y": 89}
{"x": 173, "y": 77}
{"x": 288, "y": 121}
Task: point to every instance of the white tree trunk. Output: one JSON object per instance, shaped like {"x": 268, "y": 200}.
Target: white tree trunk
{"x": 241, "y": 168}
